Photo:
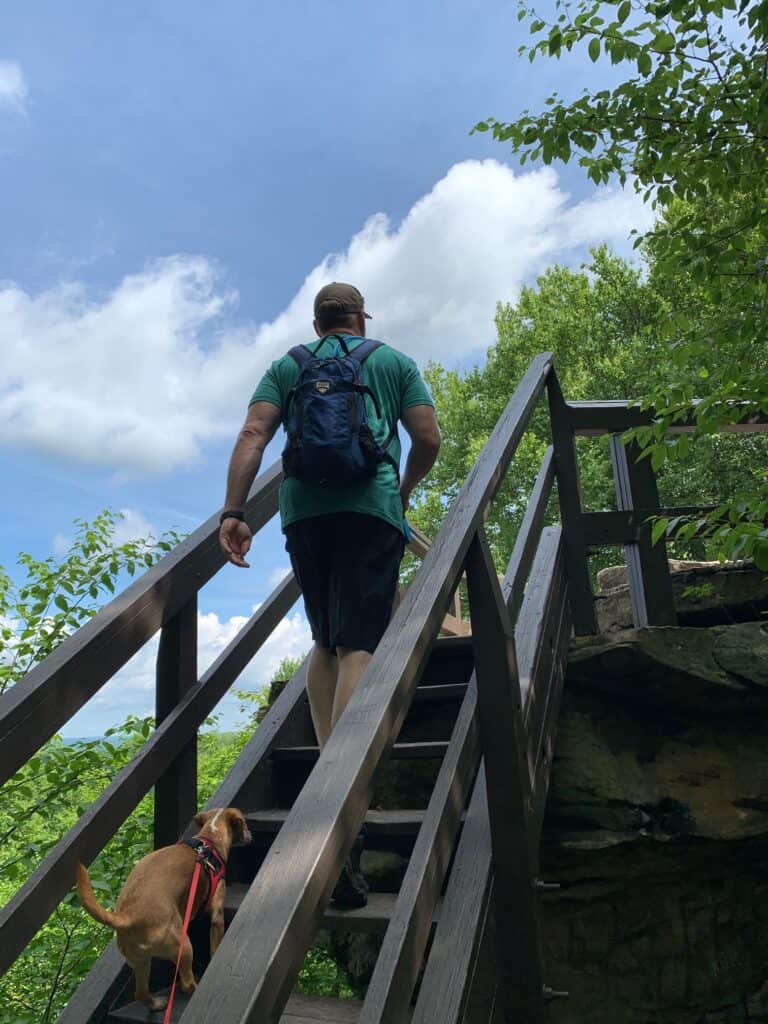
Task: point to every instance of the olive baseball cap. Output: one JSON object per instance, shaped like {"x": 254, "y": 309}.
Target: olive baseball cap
{"x": 343, "y": 297}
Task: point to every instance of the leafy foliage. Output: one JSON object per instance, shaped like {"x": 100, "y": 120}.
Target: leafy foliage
{"x": 688, "y": 126}
{"x": 58, "y": 596}
{"x": 55, "y": 787}
{"x": 603, "y": 325}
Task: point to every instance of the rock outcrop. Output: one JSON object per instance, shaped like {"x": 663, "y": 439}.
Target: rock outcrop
{"x": 657, "y": 829}
{"x": 705, "y": 593}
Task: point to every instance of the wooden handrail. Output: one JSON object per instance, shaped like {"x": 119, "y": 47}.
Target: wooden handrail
{"x": 31, "y": 906}
{"x": 53, "y": 691}
{"x": 250, "y": 978}
{"x": 592, "y": 419}
{"x": 462, "y": 966}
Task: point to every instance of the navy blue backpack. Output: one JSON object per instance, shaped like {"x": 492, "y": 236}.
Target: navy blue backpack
{"x": 329, "y": 438}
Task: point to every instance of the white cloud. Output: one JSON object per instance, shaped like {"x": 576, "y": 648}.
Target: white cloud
{"x": 132, "y": 690}
{"x": 142, "y": 378}
{"x": 13, "y": 87}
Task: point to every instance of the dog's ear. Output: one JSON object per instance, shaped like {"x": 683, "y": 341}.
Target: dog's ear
{"x": 201, "y": 817}
{"x": 236, "y": 822}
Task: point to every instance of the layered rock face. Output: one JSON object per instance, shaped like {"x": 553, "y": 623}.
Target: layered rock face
{"x": 657, "y": 828}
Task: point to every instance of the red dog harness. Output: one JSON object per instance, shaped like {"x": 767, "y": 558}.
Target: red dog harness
{"x": 212, "y": 863}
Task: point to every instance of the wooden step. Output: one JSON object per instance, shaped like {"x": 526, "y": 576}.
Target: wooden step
{"x": 299, "y": 1010}
{"x": 431, "y": 749}
{"x": 440, "y": 692}
{"x": 372, "y": 918}
{"x": 380, "y": 824}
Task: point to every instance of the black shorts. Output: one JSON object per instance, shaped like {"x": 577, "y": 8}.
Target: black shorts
{"x": 347, "y": 565}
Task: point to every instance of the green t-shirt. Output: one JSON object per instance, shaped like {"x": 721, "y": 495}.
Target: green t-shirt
{"x": 398, "y": 385}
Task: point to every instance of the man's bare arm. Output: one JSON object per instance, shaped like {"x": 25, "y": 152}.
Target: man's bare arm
{"x": 258, "y": 430}
{"x": 421, "y": 424}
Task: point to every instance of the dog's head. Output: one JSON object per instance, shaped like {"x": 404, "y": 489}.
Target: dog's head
{"x": 225, "y": 819}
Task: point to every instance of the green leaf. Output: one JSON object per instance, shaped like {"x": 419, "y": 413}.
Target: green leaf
{"x": 663, "y": 42}
{"x": 644, "y": 63}
{"x": 658, "y": 529}
{"x": 594, "y": 48}
{"x": 624, "y": 12}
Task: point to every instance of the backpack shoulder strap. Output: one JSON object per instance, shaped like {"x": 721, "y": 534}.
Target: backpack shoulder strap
{"x": 364, "y": 349}
{"x": 300, "y": 355}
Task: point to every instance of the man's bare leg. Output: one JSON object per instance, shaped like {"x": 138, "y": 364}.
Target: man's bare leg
{"x": 321, "y": 689}
{"x": 352, "y": 664}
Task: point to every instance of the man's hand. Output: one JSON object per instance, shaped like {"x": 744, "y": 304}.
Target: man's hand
{"x": 235, "y": 541}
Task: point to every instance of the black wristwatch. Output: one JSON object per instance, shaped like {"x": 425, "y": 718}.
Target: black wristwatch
{"x": 231, "y": 513}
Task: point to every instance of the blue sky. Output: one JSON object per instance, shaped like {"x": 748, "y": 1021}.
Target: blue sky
{"x": 177, "y": 179}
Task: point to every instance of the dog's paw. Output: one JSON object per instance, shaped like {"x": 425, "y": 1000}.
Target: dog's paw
{"x": 189, "y": 986}
{"x": 158, "y": 1003}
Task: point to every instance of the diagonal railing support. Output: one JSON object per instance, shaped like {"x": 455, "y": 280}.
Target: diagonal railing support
{"x": 502, "y": 737}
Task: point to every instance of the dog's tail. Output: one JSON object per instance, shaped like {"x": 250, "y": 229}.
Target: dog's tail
{"x": 92, "y": 906}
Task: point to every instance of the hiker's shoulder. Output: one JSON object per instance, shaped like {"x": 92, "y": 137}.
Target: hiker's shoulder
{"x": 389, "y": 355}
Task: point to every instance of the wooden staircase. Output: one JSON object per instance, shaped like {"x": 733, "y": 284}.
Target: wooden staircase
{"x": 280, "y": 778}
{"x": 445, "y": 750}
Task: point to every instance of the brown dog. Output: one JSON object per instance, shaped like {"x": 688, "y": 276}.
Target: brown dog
{"x": 149, "y": 915}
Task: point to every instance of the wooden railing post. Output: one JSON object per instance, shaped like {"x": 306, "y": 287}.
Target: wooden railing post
{"x": 580, "y": 594}
{"x": 502, "y": 738}
{"x": 176, "y": 789}
{"x": 650, "y": 585}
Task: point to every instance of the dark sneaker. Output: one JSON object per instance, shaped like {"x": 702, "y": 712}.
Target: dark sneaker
{"x": 351, "y": 891}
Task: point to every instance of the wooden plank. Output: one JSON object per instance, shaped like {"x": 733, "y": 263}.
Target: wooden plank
{"x": 399, "y": 961}
{"x": 261, "y": 954}
{"x": 419, "y": 543}
{"x": 528, "y": 537}
{"x": 579, "y": 584}
{"x": 544, "y": 723}
{"x": 109, "y": 975}
{"x": 650, "y": 585}
{"x": 31, "y": 906}
{"x": 176, "y": 789}
{"x": 299, "y": 1010}
{"x": 454, "y": 626}
{"x": 483, "y": 994}
{"x": 440, "y": 693}
{"x": 373, "y": 918}
{"x": 458, "y": 986}
{"x": 518, "y": 946}
{"x": 378, "y": 823}
{"x": 617, "y": 528}
{"x": 443, "y": 991}
{"x": 403, "y": 751}
{"x": 592, "y": 419}
{"x": 309, "y": 1009}
{"x": 48, "y": 696}
{"x": 528, "y": 629}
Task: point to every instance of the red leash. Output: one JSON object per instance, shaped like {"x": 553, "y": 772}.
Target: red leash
{"x": 184, "y": 928}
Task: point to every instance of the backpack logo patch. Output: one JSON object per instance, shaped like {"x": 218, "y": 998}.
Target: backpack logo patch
{"x": 322, "y": 386}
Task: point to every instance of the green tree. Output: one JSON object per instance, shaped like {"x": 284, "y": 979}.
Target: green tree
{"x": 688, "y": 126}
{"x": 603, "y": 325}
{"x": 47, "y": 795}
